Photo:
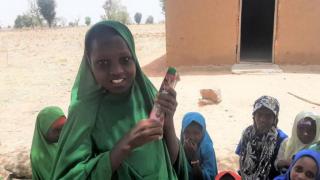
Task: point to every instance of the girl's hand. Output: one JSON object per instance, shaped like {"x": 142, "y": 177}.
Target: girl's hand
{"x": 190, "y": 149}
{"x": 145, "y": 131}
{"x": 168, "y": 104}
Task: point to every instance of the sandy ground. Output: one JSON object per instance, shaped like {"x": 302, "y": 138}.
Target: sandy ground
{"x": 37, "y": 69}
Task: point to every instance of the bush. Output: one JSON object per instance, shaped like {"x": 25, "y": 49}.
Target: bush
{"x": 138, "y": 17}
{"x": 87, "y": 21}
{"x": 23, "y": 21}
{"x": 149, "y": 20}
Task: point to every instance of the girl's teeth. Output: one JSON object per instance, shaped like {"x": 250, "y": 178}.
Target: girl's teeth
{"x": 117, "y": 81}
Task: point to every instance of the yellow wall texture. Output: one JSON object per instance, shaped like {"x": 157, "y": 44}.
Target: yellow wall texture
{"x": 298, "y": 32}
{"x": 201, "y": 32}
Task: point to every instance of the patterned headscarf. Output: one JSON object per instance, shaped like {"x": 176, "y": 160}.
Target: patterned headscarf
{"x": 268, "y": 102}
{"x": 257, "y": 150}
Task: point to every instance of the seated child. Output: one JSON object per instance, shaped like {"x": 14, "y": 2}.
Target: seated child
{"x": 228, "y": 175}
{"x": 305, "y": 131}
{"x": 198, "y": 147}
{"x": 109, "y": 134}
{"x": 50, "y": 121}
{"x": 260, "y": 142}
{"x": 305, "y": 166}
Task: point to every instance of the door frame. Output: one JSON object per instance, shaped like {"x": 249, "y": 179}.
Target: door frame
{"x": 275, "y": 23}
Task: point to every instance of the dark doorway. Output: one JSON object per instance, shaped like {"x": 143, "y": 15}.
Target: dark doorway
{"x": 257, "y": 21}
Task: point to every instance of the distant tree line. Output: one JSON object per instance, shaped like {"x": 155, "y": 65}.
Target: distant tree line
{"x": 138, "y": 17}
{"x": 42, "y": 13}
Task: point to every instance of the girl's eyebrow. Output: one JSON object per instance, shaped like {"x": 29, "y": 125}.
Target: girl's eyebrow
{"x": 125, "y": 52}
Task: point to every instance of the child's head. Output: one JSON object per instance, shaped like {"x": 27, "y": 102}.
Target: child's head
{"x": 55, "y": 129}
{"x": 305, "y": 166}
{"x": 193, "y": 133}
{"x": 306, "y": 130}
{"x": 50, "y": 121}
{"x": 193, "y": 127}
{"x": 227, "y": 175}
{"x": 265, "y": 113}
{"x": 110, "y": 59}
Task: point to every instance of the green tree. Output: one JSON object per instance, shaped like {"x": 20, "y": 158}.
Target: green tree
{"x": 149, "y": 20}
{"x": 31, "y": 18}
{"x": 47, "y": 9}
{"x": 115, "y": 11}
{"x": 138, "y": 17}
{"x": 87, "y": 20}
{"x": 34, "y": 11}
{"x": 163, "y": 6}
{"x": 23, "y": 21}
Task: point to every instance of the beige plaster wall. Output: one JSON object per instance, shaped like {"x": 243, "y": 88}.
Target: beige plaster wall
{"x": 298, "y": 32}
{"x": 201, "y": 32}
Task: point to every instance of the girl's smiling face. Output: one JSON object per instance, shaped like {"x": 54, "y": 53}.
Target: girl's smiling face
{"x": 112, "y": 64}
{"x": 306, "y": 130}
{"x": 304, "y": 169}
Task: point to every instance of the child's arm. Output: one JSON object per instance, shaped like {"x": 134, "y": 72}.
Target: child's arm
{"x": 190, "y": 148}
{"x": 142, "y": 133}
{"x": 168, "y": 104}
{"x": 196, "y": 170}
{"x": 239, "y": 149}
{"x": 209, "y": 164}
{"x": 80, "y": 162}
{"x": 280, "y": 161}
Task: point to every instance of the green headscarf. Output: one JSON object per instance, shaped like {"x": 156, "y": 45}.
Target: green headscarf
{"x": 42, "y": 152}
{"x": 98, "y": 120}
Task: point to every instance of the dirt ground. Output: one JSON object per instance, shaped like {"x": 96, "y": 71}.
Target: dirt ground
{"x": 37, "y": 69}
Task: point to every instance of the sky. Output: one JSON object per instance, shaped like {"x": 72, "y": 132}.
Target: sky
{"x": 72, "y": 9}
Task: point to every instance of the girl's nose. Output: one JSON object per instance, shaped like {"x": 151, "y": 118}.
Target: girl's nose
{"x": 263, "y": 119}
{"x": 301, "y": 176}
{"x": 116, "y": 69}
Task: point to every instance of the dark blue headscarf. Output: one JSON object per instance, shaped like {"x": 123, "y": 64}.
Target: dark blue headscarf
{"x": 307, "y": 152}
{"x": 205, "y": 150}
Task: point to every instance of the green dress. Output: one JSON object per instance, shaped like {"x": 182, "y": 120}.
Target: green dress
{"x": 97, "y": 120}
{"x": 43, "y": 153}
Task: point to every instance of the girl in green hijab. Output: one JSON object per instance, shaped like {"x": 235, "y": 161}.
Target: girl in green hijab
{"x": 50, "y": 121}
{"x": 108, "y": 134}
